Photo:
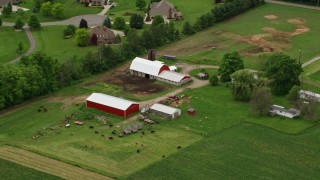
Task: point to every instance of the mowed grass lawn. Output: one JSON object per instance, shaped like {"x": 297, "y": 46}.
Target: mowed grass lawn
{"x": 50, "y": 40}
{"x": 208, "y": 46}
{"x": 191, "y": 9}
{"x": 9, "y": 43}
{"x": 312, "y": 73}
{"x": 246, "y": 151}
{"x": 71, "y": 8}
{"x": 10, "y": 170}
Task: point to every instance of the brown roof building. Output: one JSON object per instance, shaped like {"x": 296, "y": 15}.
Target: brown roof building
{"x": 164, "y": 9}
{"x": 4, "y": 2}
{"x": 94, "y": 2}
{"x": 104, "y": 35}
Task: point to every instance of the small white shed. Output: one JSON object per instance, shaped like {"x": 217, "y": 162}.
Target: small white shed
{"x": 166, "y": 111}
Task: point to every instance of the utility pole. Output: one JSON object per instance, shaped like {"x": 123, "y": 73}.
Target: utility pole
{"x": 300, "y": 51}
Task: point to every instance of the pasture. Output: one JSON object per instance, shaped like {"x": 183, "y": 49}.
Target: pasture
{"x": 311, "y": 74}
{"x": 71, "y": 8}
{"x": 9, "y": 43}
{"x": 245, "y": 151}
{"x": 256, "y": 34}
{"x": 50, "y": 40}
{"x": 10, "y": 170}
{"x": 91, "y": 148}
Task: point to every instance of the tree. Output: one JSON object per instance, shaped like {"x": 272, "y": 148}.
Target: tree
{"x": 242, "y": 84}
{"x": 119, "y": 23}
{"x": 231, "y": 62}
{"x": 214, "y": 80}
{"x": 308, "y": 109}
{"x": 37, "y": 5}
{"x": 261, "y": 101}
{"x": 187, "y": 28}
{"x": 34, "y": 22}
{"x": 0, "y": 22}
{"x": 69, "y": 31}
{"x": 118, "y": 39}
{"x": 141, "y": 4}
{"x": 94, "y": 39}
{"x": 136, "y": 21}
{"x": 18, "y": 24}
{"x": 20, "y": 48}
{"x": 284, "y": 73}
{"x": 9, "y": 5}
{"x": 107, "y": 22}
{"x": 82, "y": 36}
{"x": 6, "y": 11}
{"x": 46, "y": 8}
{"x": 293, "y": 95}
{"x": 57, "y": 10}
{"x": 157, "y": 20}
{"x": 20, "y": 12}
{"x": 83, "y": 24}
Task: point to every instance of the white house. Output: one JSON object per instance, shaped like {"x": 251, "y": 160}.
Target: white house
{"x": 281, "y": 111}
{"x": 166, "y": 111}
{"x": 309, "y": 95}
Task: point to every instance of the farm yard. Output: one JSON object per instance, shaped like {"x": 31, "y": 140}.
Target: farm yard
{"x": 215, "y": 136}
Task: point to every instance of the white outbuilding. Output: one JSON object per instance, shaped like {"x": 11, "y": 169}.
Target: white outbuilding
{"x": 165, "y": 111}
{"x": 173, "y": 77}
{"x": 281, "y": 111}
{"x": 308, "y": 95}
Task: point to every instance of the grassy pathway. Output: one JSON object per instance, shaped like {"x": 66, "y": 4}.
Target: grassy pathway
{"x": 47, "y": 165}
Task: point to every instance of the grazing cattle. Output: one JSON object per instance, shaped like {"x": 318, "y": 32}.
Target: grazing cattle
{"x": 179, "y": 147}
{"x": 142, "y": 132}
{"x": 110, "y": 138}
{"x": 91, "y": 127}
{"x": 96, "y": 132}
{"x": 113, "y": 132}
{"x": 102, "y": 135}
{"x": 110, "y": 125}
{"x": 39, "y": 110}
{"x": 163, "y": 156}
{"x": 152, "y": 131}
{"x": 138, "y": 151}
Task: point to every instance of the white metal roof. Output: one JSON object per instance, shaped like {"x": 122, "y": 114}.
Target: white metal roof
{"x": 164, "y": 109}
{"x": 172, "y": 76}
{"x": 110, "y": 101}
{"x": 309, "y": 93}
{"x": 146, "y": 66}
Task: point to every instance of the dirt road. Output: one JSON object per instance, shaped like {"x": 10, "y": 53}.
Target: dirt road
{"x": 47, "y": 165}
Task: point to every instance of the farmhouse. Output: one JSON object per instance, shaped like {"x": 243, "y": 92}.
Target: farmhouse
{"x": 165, "y": 111}
{"x": 104, "y": 35}
{"x": 173, "y": 77}
{"x": 281, "y": 111}
{"x": 147, "y": 69}
{"x": 111, "y": 104}
{"x": 309, "y": 95}
{"x": 4, "y": 2}
{"x": 164, "y": 9}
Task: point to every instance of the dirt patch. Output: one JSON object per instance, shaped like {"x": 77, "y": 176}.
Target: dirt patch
{"x": 296, "y": 21}
{"x": 300, "y": 26}
{"x": 135, "y": 85}
{"x": 271, "y": 16}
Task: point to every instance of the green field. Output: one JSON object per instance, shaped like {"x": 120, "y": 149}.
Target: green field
{"x": 81, "y": 146}
{"x": 241, "y": 34}
{"x": 50, "y": 40}
{"x": 311, "y": 74}
{"x": 9, "y": 43}
{"x": 246, "y": 151}
{"x": 10, "y": 170}
{"x": 71, "y": 8}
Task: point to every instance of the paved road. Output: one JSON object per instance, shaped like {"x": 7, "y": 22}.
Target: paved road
{"x": 92, "y": 19}
{"x": 105, "y": 10}
{"x": 293, "y": 4}
{"x": 32, "y": 45}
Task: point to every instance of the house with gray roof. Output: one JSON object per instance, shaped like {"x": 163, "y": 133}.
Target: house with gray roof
{"x": 281, "y": 111}
{"x": 164, "y": 9}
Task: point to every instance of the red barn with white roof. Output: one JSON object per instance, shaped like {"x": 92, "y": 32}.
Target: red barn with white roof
{"x": 112, "y": 105}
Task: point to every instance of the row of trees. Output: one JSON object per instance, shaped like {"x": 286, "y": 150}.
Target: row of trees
{"x": 49, "y": 9}
{"x": 226, "y": 11}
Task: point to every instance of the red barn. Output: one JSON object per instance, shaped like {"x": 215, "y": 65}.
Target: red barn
{"x": 111, "y": 104}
